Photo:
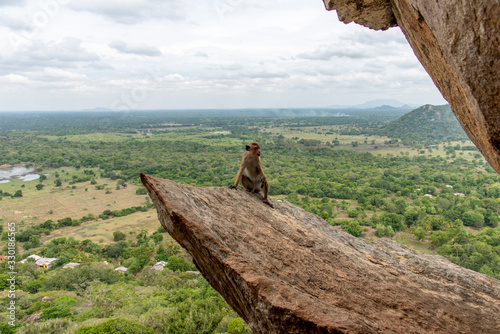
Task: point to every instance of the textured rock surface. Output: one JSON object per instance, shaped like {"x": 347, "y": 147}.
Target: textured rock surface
{"x": 458, "y": 43}
{"x": 374, "y": 14}
{"x": 287, "y": 271}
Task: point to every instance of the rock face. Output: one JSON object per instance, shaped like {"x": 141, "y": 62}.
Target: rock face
{"x": 375, "y": 14}
{"x": 287, "y": 271}
{"x": 458, "y": 43}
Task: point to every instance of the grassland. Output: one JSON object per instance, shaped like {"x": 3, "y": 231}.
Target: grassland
{"x": 376, "y": 145}
{"x": 75, "y": 201}
{"x": 69, "y": 200}
{"x": 101, "y": 231}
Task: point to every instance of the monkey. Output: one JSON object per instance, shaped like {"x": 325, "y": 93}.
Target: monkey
{"x": 251, "y": 174}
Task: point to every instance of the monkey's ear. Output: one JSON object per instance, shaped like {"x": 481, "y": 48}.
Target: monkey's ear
{"x": 248, "y": 147}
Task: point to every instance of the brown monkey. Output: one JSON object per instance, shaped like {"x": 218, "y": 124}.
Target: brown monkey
{"x": 251, "y": 174}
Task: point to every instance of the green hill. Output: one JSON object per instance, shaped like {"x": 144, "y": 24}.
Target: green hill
{"x": 427, "y": 123}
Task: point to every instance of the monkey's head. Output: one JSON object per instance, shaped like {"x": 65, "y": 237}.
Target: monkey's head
{"x": 253, "y": 148}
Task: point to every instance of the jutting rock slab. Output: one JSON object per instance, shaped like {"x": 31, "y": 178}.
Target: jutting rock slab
{"x": 285, "y": 270}
{"x": 458, "y": 43}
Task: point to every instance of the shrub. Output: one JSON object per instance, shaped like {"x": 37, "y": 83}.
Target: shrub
{"x": 177, "y": 263}
{"x": 61, "y": 308}
{"x": 237, "y": 325}
{"x": 118, "y": 235}
{"x": 419, "y": 233}
{"x": 380, "y": 230}
{"x": 352, "y": 213}
{"x": 55, "y": 326}
{"x": 81, "y": 275}
{"x": 117, "y": 326}
{"x": 352, "y": 228}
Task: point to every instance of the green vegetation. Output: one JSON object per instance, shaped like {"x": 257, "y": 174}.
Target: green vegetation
{"x": 360, "y": 173}
{"x": 429, "y": 124}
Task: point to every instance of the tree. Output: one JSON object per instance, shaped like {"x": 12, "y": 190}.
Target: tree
{"x": 177, "y": 263}
{"x": 352, "y": 213}
{"x": 18, "y": 193}
{"x": 114, "y": 250}
{"x": 118, "y": 235}
{"x": 141, "y": 191}
{"x": 419, "y": 233}
{"x": 161, "y": 254}
{"x": 352, "y": 228}
{"x": 236, "y": 325}
{"x": 35, "y": 240}
{"x": 34, "y": 286}
{"x": 380, "y": 230}
{"x": 473, "y": 218}
{"x": 390, "y": 232}
{"x": 157, "y": 237}
{"x": 491, "y": 218}
{"x": 393, "y": 220}
{"x": 411, "y": 216}
{"x": 39, "y": 186}
{"x": 61, "y": 308}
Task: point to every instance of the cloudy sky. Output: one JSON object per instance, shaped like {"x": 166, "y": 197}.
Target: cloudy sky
{"x": 157, "y": 54}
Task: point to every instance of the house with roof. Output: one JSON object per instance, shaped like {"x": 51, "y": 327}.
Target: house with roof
{"x": 122, "y": 270}
{"x": 71, "y": 265}
{"x": 160, "y": 265}
{"x": 32, "y": 256}
{"x": 45, "y": 262}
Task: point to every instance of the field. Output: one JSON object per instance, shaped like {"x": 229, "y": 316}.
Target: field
{"x": 376, "y": 145}
{"x": 69, "y": 200}
{"x": 75, "y": 201}
{"x": 101, "y": 231}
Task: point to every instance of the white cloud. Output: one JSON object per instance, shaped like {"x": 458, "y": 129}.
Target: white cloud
{"x": 15, "y": 23}
{"x": 137, "y": 49}
{"x": 4, "y": 3}
{"x": 327, "y": 52}
{"x": 201, "y": 54}
{"x": 133, "y": 11}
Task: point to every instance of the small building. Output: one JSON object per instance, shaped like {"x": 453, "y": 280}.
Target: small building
{"x": 193, "y": 272}
{"x": 71, "y": 265}
{"x": 459, "y": 194}
{"x": 122, "y": 270}
{"x": 3, "y": 258}
{"x": 33, "y": 256}
{"x": 160, "y": 265}
{"x": 428, "y": 195}
{"x": 449, "y": 186}
{"x": 45, "y": 262}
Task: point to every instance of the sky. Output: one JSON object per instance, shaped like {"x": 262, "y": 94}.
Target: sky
{"x": 208, "y": 54}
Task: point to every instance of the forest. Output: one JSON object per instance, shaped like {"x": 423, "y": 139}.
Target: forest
{"x": 362, "y": 171}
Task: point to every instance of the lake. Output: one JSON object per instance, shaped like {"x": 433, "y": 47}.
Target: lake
{"x": 17, "y": 172}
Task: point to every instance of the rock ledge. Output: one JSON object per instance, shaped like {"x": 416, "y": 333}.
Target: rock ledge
{"x": 287, "y": 271}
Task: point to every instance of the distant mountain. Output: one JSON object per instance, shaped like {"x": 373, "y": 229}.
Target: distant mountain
{"x": 376, "y": 104}
{"x": 385, "y": 107}
{"x": 427, "y": 123}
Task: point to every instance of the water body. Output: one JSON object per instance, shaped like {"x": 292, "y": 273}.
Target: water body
{"x": 17, "y": 172}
